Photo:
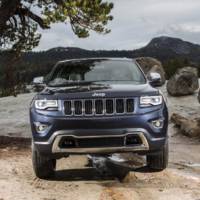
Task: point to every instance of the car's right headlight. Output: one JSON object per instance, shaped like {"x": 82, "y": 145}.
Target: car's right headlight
{"x": 146, "y": 101}
{"x": 44, "y": 104}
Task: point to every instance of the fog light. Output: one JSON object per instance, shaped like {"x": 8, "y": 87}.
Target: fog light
{"x": 158, "y": 123}
{"x": 40, "y": 128}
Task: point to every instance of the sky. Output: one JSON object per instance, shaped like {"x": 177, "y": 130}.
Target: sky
{"x": 135, "y": 23}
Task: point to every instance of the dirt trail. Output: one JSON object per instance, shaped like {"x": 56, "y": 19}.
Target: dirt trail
{"x": 75, "y": 181}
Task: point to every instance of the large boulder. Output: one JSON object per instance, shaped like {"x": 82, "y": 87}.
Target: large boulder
{"x": 189, "y": 127}
{"x": 149, "y": 65}
{"x": 184, "y": 82}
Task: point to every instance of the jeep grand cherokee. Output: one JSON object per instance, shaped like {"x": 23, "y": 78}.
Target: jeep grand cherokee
{"x": 98, "y": 106}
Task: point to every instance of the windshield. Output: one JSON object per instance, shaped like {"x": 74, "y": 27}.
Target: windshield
{"x": 84, "y": 71}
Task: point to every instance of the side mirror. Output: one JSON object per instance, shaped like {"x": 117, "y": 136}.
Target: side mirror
{"x": 38, "y": 80}
{"x": 154, "y": 79}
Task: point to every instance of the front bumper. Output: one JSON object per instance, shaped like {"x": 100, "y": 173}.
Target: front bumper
{"x": 148, "y": 143}
{"x": 103, "y": 149}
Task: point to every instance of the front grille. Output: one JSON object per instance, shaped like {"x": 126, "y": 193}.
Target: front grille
{"x": 111, "y": 106}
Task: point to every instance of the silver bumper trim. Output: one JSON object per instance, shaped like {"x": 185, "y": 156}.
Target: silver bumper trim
{"x": 143, "y": 146}
{"x": 57, "y": 136}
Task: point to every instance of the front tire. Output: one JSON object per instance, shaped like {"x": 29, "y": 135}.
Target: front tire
{"x": 159, "y": 161}
{"x": 43, "y": 166}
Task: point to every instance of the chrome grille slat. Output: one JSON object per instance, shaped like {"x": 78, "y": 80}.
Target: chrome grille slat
{"x": 99, "y": 107}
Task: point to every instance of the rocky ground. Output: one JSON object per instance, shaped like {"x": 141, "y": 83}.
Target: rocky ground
{"x": 74, "y": 180}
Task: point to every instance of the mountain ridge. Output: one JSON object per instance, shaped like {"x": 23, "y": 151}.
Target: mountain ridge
{"x": 172, "y": 52}
{"x": 162, "y": 48}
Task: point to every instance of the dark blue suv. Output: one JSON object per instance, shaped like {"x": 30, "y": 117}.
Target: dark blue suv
{"x": 98, "y": 106}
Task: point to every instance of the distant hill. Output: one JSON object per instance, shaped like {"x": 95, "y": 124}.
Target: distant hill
{"x": 173, "y": 52}
{"x": 165, "y": 48}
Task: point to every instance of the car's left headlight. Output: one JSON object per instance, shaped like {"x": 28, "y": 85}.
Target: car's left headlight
{"x": 44, "y": 104}
{"x": 151, "y": 101}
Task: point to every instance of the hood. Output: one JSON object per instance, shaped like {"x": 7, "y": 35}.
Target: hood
{"x": 100, "y": 90}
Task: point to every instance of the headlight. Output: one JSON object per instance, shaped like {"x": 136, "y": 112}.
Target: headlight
{"x": 151, "y": 101}
{"x": 44, "y": 104}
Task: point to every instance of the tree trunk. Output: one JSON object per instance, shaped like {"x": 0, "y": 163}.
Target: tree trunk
{"x": 7, "y": 10}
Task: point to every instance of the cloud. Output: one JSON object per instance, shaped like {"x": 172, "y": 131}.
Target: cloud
{"x": 135, "y": 23}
